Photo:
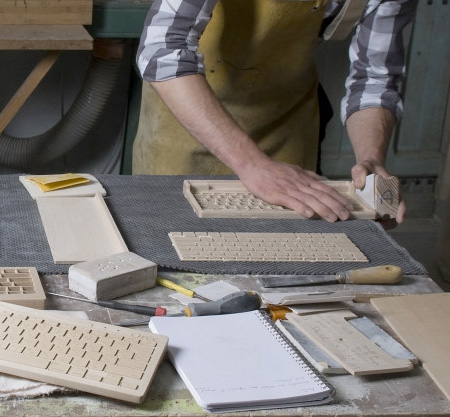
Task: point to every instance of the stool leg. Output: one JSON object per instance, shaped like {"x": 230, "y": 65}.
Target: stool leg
{"x": 27, "y": 87}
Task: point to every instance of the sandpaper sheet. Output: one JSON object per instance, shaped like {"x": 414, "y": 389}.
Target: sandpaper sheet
{"x": 147, "y": 208}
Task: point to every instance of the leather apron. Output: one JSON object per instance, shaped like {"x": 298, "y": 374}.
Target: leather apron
{"x": 259, "y": 60}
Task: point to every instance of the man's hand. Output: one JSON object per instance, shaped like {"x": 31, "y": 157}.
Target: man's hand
{"x": 359, "y": 174}
{"x": 295, "y": 188}
{"x": 196, "y": 107}
{"x": 369, "y": 131}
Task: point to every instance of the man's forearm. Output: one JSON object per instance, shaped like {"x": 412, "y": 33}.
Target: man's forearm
{"x": 196, "y": 107}
{"x": 370, "y": 131}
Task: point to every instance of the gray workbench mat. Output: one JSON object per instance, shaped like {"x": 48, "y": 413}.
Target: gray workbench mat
{"x": 147, "y": 208}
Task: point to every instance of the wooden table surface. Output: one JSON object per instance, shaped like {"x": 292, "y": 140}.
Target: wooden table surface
{"x": 406, "y": 394}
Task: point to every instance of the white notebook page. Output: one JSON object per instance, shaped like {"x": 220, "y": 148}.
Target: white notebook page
{"x": 237, "y": 359}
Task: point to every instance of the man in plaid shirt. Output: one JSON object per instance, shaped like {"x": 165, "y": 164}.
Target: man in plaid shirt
{"x": 239, "y": 77}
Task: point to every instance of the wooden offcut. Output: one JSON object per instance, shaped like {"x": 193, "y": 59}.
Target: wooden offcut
{"x": 45, "y": 12}
{"x": 422, "y": 322}
{"x": 349, "y": 347}
{"x": 45, "y": 37}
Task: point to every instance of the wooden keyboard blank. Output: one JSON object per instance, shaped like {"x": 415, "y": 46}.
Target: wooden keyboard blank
{"x": 280, "y": 247}
{"x": 88, "y": 356}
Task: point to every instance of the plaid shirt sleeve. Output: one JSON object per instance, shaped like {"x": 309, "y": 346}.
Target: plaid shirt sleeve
{"x": 172, "y": 29}
{"x": 169, "y": 41}
{"x": 377, "y": 57}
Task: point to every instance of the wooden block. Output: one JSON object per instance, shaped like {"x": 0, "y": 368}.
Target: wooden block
{"x": 349, "y": 347}
{"x": 44, "y": 37}
{"x": 79, "y": 229}
{"x": 382, "y": 194}
{"x": 111, "y": 277}
{"x": 46, "y": 12}
{"x": 230, "y": 199}
{"x": 21, "y": 285}
{"x": 422, "y": 322}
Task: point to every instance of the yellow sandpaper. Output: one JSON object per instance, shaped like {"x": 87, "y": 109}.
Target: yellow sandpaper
{"x": 57, "y": 181}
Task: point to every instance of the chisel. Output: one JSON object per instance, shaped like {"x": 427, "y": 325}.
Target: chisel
{"x": 135, "y": 308}
{"x": 385, "y": 274}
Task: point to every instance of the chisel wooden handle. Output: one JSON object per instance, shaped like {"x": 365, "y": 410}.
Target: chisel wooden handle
{"x": 385, "y": 274}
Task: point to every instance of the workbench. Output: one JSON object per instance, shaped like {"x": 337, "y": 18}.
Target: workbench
{"x": 412, "y": 393}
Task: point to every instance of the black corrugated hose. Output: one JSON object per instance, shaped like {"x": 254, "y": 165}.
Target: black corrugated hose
{"x": 106, "y": 66}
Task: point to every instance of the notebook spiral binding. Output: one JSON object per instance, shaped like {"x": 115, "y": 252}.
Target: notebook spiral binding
{"x": 294, "y": 352}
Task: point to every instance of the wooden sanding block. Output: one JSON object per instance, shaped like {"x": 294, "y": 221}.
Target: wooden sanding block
{"x": 113, "y": 276}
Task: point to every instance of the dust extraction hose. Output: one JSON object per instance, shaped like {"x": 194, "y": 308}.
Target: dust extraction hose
{"x": 103, "y": 73}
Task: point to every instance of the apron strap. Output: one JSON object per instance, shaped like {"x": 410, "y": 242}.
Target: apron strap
{"x": 345, "y": 21}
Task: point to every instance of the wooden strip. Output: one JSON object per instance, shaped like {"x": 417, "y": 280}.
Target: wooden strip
{"x": 27, "y": 88}
{"x": 44, "y": 37}
{"x": 46, "y": 12}
{"x": 79, "y": 228}
{"x": 422, "y": 322}
{"x": 345, "y": 344}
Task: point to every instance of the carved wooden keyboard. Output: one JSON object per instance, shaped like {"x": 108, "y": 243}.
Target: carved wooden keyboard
{"x": 88, "y": 356}
{"x": 21, "y": 286}
{"x": 282, "y": 247}
{"x": 230, "y": 199}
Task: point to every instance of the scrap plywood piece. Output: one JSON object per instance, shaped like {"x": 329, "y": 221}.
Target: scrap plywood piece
{"x": 279, "y": 247}
{"x": 230, "y": 199}
{"x": 422, "y": 322}
{"x": 345, "y": 344}
{"x": 79, "y": 229}
{"x": 46, "y": 12}
{"x": 21, "y": 285}
{"x": 45, "y": 37}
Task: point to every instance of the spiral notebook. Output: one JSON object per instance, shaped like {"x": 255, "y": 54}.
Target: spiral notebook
{"x": 240, "y": 361}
